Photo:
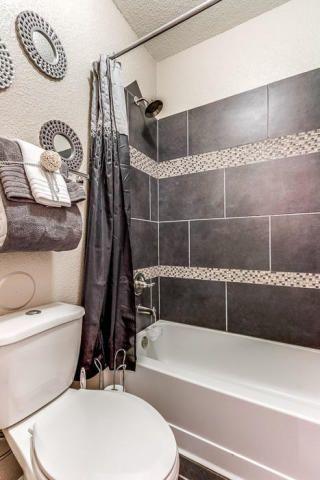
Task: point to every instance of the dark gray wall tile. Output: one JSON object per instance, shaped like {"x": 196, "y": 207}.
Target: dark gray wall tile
{"x": 140, "y": 198}
{"x": 196, "y": 302}
{"x": 198, "y": 195}
{"x": 230, "y": 243}
{"x": 142, "y": 130}
{"x": 144, "y": 240}
{"x": 288, "y": 185}
{"x": 173, "y": 136}
{"x": 154, "y": 199}
{"x": 142, "y": 321}
{"x": 174, "y": 243}
{"x": 294, "y": 104}
{"x": 195, "y": 471}
{"x": 295, "y": 243}
{"x": 229, "y": 122}
{"x": 125, "y": 171}
{"x": 284, "y": 314}
{"x": 124, "y": 150}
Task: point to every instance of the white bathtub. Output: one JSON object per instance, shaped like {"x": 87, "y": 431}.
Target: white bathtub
{"x": 247, "y": 408}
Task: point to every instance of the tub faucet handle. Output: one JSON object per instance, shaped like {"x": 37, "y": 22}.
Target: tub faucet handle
{"x": 140, "y": 283}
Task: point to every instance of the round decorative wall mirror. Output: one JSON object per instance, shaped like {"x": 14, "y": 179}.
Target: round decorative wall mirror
{"x": 6, "y": 67}
{"x": 42, "y": 44}
{"x": 63, "y": 146}
{"x": 58, "y": 136}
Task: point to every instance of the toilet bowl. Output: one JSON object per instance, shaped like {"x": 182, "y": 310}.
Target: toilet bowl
{"x": 58, "y": 433}
{"x": 89, "y": 434}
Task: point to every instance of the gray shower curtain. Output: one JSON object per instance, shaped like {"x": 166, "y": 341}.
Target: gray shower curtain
{"x": 108, "y": 298}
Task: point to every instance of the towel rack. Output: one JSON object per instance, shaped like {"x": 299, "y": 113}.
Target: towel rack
{"x": 86, "y": 176}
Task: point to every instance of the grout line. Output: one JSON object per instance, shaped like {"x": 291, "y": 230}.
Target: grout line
{"x": 226, "y": 303}
{"x": 240, "y": 217}
{"x": 270, "y": 244}
{"x": 188, "y": 147}
{"x": 158, "y": 200}
{"x": 158, "y": 243}
{"x": 224, "y": 194}
{"x": 187, "y": 220}
{"x": 158, "y": 194}
{"x": 157, "y": 141}
{"x": 150, "y": 199}
{"x": 5, "y": 456}
{"x": 144, "y": 220}
{"x": 189, "y": 244}
{"x": 159, "y": 290}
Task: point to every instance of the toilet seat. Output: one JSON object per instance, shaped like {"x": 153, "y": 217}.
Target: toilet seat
{"x": 103, "y": 435}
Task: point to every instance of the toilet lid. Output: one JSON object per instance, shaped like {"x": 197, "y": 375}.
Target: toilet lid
{"x": 103, "y": 435}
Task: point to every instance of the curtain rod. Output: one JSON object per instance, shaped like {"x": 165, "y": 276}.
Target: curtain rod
{"x": 167, "y": 26}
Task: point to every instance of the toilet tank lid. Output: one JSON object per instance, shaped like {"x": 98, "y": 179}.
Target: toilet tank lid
{"x": 17, "y": 326}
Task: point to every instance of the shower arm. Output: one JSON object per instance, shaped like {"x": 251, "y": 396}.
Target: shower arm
{"x": 138, "y": 100}
{"x": 167, "y": 26}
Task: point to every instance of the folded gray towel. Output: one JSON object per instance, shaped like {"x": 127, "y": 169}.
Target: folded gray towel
{"x": 76, "y": 191}
{"x": 14, "y": 179}
{"x": 35, "y": 227}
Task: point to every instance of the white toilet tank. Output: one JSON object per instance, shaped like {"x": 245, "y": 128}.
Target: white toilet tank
{"x": 39, "y": 351}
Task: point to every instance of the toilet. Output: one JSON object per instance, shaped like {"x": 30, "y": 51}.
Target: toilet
{"x": 59, "y": 433}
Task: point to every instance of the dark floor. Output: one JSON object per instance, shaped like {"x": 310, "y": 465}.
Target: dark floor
{"x": 194, "y": 471}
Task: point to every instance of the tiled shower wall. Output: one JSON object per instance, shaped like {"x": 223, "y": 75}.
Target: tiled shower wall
{"x": 144, "y": 199}
{"x": 239, "y": 211}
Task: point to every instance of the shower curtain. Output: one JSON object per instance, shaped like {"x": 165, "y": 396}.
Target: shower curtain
{"x": 108, "y": 298}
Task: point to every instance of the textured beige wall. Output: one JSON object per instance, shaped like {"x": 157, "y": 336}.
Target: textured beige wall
{"x": 86, "y": 29}
{"x": 275, "y": 45}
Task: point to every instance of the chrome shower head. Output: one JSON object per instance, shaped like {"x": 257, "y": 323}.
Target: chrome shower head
{"x": 152, "y": 109}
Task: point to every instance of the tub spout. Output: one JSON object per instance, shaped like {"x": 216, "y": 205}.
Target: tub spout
{"x": 154, "y": 331}
{"x": 148, "y": 311}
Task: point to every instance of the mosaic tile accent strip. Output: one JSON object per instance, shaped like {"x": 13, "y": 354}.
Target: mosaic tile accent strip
{"x": 142, "y": 162}
{"x": 258, "y": 277}
{"x": 149, "y": 272}
{"x": 303, "y": 143}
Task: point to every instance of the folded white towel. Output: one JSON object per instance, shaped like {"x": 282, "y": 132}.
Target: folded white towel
{"x": 48, "y": 188}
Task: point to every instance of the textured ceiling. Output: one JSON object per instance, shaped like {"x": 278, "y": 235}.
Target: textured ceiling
{"x": 147, "y": 15}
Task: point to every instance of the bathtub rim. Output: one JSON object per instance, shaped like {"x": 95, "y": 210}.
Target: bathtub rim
{"x": 227, "y": 333}
{"x": 156, "y": 365}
